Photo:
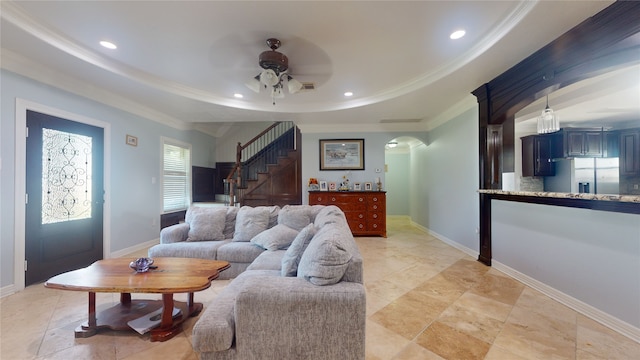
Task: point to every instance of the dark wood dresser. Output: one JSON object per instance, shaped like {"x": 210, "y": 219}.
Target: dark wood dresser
{"x": 366, "y": 211}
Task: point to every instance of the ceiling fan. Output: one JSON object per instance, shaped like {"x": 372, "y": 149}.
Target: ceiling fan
{"x": 275, "y": 73}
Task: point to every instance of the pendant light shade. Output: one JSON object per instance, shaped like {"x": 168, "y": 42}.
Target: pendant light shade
{"x": 548, "y": 120}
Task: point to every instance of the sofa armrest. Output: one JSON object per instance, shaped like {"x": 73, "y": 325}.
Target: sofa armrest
{"x": 174, "y": 233}
{"x": 290, "y": 318}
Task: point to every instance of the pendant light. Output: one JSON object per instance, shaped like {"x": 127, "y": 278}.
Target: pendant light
{"x": 548, "y": 120}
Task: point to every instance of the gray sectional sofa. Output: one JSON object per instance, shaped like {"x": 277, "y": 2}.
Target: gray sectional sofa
{"x": 297, "y": 290}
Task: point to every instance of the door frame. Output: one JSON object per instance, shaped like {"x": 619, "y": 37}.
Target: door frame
{"x": 22, "y": 106}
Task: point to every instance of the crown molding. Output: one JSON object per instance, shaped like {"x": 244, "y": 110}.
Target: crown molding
{"x": 23, "y": 66}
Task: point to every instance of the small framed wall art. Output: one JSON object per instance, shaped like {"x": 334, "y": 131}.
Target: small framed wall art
{"x": 323, "y": 185}
{"x": 357, "y": 186}
{"x": 368, "y": 186}
{"x": 332, "y": 186}
{"x": 132, "y": 140}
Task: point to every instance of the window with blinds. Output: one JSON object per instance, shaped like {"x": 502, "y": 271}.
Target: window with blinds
{"x": 176, "y": 175}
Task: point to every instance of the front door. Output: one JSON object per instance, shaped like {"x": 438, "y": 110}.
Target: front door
{"x": 65, "y": 195}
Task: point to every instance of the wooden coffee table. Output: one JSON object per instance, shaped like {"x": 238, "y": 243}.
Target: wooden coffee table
{"x": 172, "y": 275}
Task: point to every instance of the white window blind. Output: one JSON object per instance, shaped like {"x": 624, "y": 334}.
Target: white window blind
{"x": 176, "y": 177}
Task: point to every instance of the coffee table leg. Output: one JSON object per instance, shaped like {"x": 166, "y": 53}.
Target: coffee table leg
{"x": 125, "y": 298}
{"x": 167, "y": 311}
{"x": 85, "y": 331}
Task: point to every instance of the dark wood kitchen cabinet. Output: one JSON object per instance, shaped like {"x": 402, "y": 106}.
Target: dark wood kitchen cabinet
{"x": 537, "y": 155}
{"x": 582, "y": 142}
{"x": 366, "y": 211}
{"x": 630, "y": 152}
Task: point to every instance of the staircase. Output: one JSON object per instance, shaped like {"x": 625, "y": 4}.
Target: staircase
{"x": 267, "y": 169}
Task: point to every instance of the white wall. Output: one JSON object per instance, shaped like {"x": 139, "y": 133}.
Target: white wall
{"x": 397, "y": 183}
{"x": 444, "y": 181}
{"x": 135, "y": 201}
{"x": 592, "y": 256}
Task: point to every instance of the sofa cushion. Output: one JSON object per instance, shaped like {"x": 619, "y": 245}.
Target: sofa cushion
{"x": 198, "y": 249}
{"x": 291, "y": 258}
{"x": 295, "y": 216}
{"x": 327, "y": 257}
{"x": 268, "y": 260}
{"x": 206, "y": 223}
{"x": 330, "y": 215}
{"x": 239, "y": 252}
{"x": 250, "y": 222}
{"x": 278, "y": 237}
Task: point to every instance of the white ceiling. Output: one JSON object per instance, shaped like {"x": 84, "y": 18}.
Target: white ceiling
{"x": 180, "y": 62}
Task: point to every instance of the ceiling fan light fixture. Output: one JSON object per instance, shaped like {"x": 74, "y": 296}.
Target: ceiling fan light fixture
{"x": 293, "y": 85}
{"x": 274, "y": 75}
{"x": 269, "y": 77}
{"x": 254, "y": 83}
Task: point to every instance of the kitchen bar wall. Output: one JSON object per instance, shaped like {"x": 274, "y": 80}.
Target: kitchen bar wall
{"x": 588, "y": 255}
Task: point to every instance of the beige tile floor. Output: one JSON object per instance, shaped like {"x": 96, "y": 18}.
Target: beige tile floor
{"x": 425, "y": 300}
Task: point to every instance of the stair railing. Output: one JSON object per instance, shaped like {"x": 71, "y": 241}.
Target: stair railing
{"x": 250, "y": 149}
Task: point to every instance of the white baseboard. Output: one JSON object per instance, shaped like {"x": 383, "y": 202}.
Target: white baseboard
{"x": 600, "y": 316}
{"x": 134, "y": 248}
{"x": 7, "y": 290}
{"x": 474, "y": 254}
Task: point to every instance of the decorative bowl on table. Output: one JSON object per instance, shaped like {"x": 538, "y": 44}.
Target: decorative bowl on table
{"x": 141, "y": 264}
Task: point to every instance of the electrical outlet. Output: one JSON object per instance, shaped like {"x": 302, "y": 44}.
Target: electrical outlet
{"x": 635, "y": 186}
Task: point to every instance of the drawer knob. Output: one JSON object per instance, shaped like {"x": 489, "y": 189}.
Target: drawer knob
{"x": 375, "y": 225}
{"x": 333, "y": 199}
{"x": 360, "y": 216}
{"x": 319, "y": 199}
{"x": 375, "y": 216}
{"x": 375, "y": 199}
{"x": 361, "y": 199}
{"x": 375, "y": 207}
{"x": 360, "y": 226}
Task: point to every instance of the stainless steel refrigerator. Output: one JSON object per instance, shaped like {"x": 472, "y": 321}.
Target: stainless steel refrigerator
{"x": 596, "y": 176}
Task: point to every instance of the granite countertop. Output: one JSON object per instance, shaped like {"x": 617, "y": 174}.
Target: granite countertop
{"x": 604, "y": 197}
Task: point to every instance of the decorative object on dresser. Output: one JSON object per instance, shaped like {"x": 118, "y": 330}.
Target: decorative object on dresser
{"x": 368, "y": 186}
{"x": 365, "y": 210}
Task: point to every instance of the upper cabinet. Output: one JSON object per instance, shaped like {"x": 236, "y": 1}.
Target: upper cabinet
{"x": 537, "y": 155}
{"x": 582, "y": 142}
{"x": 630, "y": 152}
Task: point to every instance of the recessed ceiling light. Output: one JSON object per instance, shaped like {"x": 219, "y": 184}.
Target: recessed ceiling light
{"x": 348, "y": 93}
{"x": 237, "y": 95}
{"x": 108, "y": 45}
{"x": 457, "y": 34}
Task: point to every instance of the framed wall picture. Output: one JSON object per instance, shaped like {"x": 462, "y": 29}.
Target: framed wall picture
{"x": 131, "y": 140}
{"x": 342, "y": 154}
{"x": 357, "y": 186}
{"x": 332, "y": 186}
{"x": 368, "y": 186}
{"x": 323, "y": 185}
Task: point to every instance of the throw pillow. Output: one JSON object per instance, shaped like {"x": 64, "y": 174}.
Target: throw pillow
{"x": 230, "y": 222}
{"x": 327, "y": 257}
{"x": 295, "y": 216}
{"x": 206, "y": 224}
{"x": 250, "y": 222}
{"x": 291, "y": 258}
{"x": 276, "y": 238}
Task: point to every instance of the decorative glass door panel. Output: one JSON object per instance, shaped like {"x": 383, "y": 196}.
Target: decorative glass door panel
{"x": 66, "y": 176}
